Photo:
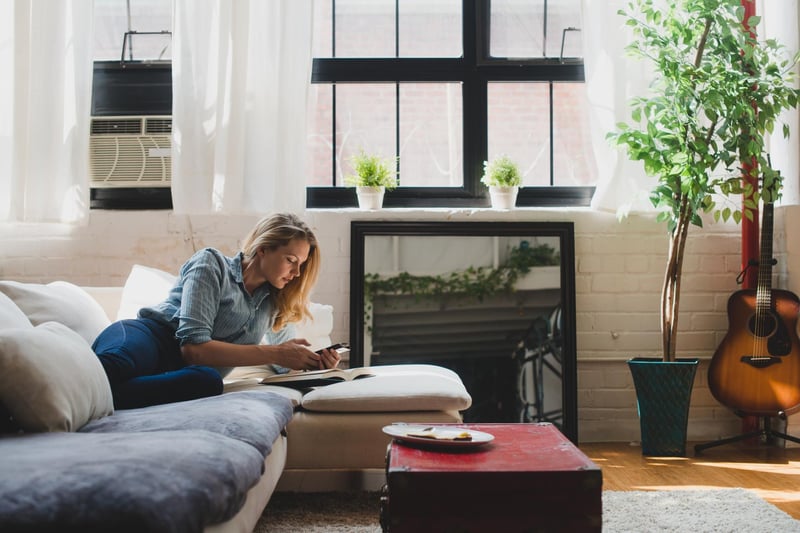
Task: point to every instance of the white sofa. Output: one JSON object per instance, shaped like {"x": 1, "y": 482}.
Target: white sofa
{"x": 333, "y": 439}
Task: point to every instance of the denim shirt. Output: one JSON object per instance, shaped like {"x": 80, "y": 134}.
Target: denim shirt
{"x": 209, "y": 302}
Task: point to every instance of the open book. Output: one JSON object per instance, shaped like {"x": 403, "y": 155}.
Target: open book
{"x": 317, "y": 378}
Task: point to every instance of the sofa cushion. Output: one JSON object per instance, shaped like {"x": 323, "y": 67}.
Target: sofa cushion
{"x": 144, "y": 287}
{"x": 155, "y": 481}
{"x": 59, "y": 301}
{"x": 250, "y": 379}
{"x": 50, "y": 380}
{"x": 393, "y": 388}
{"x": 11, "y": 316}
{"x": 318, "y": 329}
{"x": 255, "y": 417}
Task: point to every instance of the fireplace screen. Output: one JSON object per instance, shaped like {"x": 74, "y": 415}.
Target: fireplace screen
{"x": 493, "y": 301}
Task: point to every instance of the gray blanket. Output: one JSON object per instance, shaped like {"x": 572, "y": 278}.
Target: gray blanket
{"x": 170, "y": 468}
{"x": 253, "y": 416}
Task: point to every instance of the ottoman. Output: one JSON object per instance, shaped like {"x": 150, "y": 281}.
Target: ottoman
{"x": 335, "y": 439}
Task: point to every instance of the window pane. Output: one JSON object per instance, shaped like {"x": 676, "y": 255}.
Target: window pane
{"x": 535, "y": 28}
{"x": 430, "y": 28}
{"x": 519, "y": 127}
{"x": 365, "y": 28}
{"x": 111, "y": 23}
{"x": 572, "y": 153}
{"x": 365, "y": 119}
{"x": 431, "y": 147}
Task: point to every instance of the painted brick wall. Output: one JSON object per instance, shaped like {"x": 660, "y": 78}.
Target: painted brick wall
{"x": 618, "y": 281}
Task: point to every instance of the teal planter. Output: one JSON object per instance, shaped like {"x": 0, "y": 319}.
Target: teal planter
{"x": 663, "y": 394}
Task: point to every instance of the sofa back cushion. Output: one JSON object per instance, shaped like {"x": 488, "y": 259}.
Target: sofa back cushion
{"x": 59, "y": 301}
{"x": 11, "y": 316}
{"x": 50, "y": 380}
{"x": 144, "y": 287}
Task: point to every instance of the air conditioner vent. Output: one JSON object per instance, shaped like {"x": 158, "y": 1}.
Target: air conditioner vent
{"x": 116, "y": 126}
{"x": 122, "y": 155}
{"x": 158, "y": 125}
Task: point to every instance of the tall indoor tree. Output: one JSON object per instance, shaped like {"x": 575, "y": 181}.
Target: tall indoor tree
{"x": 717, "y": 93}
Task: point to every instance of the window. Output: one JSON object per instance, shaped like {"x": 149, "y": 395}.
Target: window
{"x": 441, "y": 84}
{"x": 444, "y": 85}
{"x": 131, "y": 123}
{"x": 142, "y": 25}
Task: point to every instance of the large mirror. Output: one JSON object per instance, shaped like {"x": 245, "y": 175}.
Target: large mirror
{"x": 492, "y": 301}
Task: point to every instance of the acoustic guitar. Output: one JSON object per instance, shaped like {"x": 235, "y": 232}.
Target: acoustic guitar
{"x": 756, "y": 368}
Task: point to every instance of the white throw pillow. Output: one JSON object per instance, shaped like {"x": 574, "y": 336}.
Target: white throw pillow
{"x": 50, "y": 380}
{"x": 145, "y": 286}
{"x": 317, "y": 331}
{"x": 12, "y": 316}
{"x": 59, "y": 301}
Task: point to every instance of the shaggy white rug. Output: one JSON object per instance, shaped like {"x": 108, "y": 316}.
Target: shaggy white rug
{"x": 723, "y": 511}
{"x": 701, "y": 511}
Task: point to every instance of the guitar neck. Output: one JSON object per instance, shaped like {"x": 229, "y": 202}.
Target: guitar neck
{"x": 764, "y": 289}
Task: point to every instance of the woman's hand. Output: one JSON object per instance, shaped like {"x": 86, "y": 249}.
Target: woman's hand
{"x": 329, "y": 359}
{"x": 296, "y": 355}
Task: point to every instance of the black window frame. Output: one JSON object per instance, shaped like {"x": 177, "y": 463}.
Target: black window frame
{"x": 474, "y": 70}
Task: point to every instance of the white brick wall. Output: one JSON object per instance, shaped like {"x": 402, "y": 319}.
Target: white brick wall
{"x": 618, "y": 270}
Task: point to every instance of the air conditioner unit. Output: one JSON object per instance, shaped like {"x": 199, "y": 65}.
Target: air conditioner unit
{"x": 131, "y": 151}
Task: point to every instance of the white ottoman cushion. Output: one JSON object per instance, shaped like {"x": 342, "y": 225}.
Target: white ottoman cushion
{"x": 393, "y": 388}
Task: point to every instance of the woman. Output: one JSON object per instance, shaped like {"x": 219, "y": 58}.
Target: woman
{"x": 222, "y": 312}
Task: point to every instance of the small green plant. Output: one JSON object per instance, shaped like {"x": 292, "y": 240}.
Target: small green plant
{"x": 501, "y": 172}
{"x": 371, "y": 171}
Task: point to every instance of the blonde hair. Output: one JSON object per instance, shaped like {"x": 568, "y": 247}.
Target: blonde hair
{"x": 272, "y": 232}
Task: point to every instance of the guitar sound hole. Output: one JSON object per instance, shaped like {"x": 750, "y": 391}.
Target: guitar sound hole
{"x": 767, "y": 326}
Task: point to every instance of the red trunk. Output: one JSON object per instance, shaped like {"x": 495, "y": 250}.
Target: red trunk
{"x": 529, "y": 478}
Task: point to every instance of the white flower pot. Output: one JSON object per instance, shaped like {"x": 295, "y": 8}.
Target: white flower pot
{"x": 370, "y": 197}
{"x": 503, "y": 197}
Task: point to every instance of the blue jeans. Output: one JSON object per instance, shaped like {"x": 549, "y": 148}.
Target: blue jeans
{"x": 143, "y": 362}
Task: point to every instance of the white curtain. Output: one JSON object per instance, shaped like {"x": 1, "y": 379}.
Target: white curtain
{"x": 781, "y": 20}
{"x": 241, "y": 72}
{"x": 45, "y": 98}
{"x": 613, "y": 78}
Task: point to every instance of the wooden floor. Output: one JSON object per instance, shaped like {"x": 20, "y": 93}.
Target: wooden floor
{"x": 770, "y": 471}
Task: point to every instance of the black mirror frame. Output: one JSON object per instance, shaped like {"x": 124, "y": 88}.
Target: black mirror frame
{"x": 359, "y": 230}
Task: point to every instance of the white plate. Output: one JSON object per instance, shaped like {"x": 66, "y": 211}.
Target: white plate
{"x": 405, "y": 432}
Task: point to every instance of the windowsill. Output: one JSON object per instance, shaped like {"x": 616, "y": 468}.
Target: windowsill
{"x": 461, "y": 211}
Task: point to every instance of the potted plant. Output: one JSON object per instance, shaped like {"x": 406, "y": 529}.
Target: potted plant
{"x": 373, "y": 175}
{"x": 502, "y": 177}
{"x": 718, "y": 91}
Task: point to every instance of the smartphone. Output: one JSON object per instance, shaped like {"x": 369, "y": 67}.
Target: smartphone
{"x": 340, "y": 347}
